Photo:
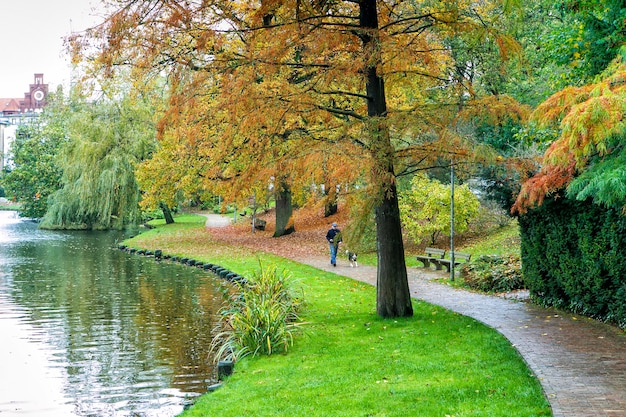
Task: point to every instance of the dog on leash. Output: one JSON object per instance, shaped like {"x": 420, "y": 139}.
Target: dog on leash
{"x": 352, "y": 258}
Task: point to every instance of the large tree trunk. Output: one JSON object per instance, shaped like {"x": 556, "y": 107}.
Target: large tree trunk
{"x": 393, "y": 298}
{"x": 284, "y": 211}
{"x": 330, "y": 208}
{"x": 167, "y": 213}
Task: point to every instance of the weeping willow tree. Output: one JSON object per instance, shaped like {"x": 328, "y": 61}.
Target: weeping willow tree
{"x": 107, "y": 139}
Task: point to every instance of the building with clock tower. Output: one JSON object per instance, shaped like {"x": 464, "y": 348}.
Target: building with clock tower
{"x": 33, "y": 102}
{"x": 35, "y": 99}
{"x": 19, "y": 111}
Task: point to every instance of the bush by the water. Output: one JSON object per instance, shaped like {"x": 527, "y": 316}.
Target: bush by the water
{"x": 260, "y": 319}
{"x": 494, "y": 273}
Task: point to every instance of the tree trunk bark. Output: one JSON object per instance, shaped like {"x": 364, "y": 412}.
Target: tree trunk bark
{"x": 330, "y": 202}
{"x": 284, "y": 211}
{"x": 330, "y": 208}
{"x": 393, "y": 298}
{"x": 167, "y": 213}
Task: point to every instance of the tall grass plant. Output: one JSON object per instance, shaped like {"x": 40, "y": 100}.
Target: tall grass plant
{"x": 259, "y": 318}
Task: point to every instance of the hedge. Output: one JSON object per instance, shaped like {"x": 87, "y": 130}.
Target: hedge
{"x": 574, "y": 257}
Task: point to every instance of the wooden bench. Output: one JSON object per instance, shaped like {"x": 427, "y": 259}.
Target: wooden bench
{"x": 259, "y": 224}
{"x": 448, "y": 262}
{"x": 432, "y": 255}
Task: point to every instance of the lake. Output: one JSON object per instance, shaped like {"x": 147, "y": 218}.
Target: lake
{"x": 89, "y": 330}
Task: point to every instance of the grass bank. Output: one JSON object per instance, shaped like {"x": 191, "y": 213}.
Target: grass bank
{"x": 349, "y": 362}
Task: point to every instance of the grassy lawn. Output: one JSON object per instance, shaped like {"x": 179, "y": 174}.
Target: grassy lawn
{"x": 349, "y": 362}
{"x": 503, "y": 241}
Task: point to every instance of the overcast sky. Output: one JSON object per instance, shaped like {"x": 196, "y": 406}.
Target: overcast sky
{"x": 31, "y": 33}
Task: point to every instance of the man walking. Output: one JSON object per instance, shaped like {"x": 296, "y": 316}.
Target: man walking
{"x": 334, "y": 239}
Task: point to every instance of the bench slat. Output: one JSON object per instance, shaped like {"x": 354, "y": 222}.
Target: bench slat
{"x": 432, "y": 254}
{"x": 436, "y": 257}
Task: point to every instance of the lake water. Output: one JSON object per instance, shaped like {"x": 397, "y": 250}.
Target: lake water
{"x": 89, "y": 330}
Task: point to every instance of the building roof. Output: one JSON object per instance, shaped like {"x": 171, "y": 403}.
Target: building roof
{"x": 9, "y": 105}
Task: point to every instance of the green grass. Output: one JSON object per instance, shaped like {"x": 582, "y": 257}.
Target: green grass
{"x": 502, "y": 241}
{"x": 350, "y": 362}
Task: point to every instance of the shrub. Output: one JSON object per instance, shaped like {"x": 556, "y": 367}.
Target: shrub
{"x": 260, "y": 318}
{"x": 494, "y": 273}
{"x": 425, "y": 209}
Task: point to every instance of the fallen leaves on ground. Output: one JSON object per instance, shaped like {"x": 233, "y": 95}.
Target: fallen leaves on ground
{"x": 309, "y": 239}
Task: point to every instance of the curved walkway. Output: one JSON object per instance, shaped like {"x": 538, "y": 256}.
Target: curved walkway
{"x": 580, "y": 363}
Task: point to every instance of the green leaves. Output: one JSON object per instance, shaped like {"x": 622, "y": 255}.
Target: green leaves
{"x": 494, "y": 273}
{"x": 35, "y": 174}
{"x": 425, "y": 209}
{"x": 106, "y": 142}
{"x": 588, "y": 153}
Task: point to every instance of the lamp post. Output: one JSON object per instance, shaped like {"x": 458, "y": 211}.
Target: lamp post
{"x": 451, "y": 220}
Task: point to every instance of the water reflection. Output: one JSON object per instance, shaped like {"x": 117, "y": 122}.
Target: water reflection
{"x": 118, "y": 334}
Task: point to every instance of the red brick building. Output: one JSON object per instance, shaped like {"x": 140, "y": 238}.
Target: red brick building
{"x": 34, "y": 99}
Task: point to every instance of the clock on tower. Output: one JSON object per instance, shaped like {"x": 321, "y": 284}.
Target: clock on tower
{"x": 38, "y": 95}
{"x": 36, "y": 98}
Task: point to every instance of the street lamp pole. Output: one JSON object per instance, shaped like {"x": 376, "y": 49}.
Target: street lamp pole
{"x": 451, "y": 220}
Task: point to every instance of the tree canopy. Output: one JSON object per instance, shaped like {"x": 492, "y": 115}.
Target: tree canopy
{"x": 33, "y": 174}
{"x": 292, "y": 92}
{"x": 106, "y": 140}
{"x": 425, "y": 209}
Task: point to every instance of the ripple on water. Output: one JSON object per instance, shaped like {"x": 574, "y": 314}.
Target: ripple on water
{"x": 88, "y": 330}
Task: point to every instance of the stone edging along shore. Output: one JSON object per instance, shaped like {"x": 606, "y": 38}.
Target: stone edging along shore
{"x": 158, "y": 255}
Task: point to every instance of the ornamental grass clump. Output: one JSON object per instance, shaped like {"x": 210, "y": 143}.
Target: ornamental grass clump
{"x": 494, "y": 273}
{"x": 261, "y": 317}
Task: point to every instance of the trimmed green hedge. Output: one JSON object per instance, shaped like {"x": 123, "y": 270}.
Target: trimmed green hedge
{"x": 574, "y": 257}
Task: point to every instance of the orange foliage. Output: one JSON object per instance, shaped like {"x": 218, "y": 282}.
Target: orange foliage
{"x": 495, "y": 110}
{"x": 548, "y": 181}
{"x": 248, "y": 97}
{"x": 589, "y": 118}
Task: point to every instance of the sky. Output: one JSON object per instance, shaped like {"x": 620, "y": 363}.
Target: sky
{"x": 31, "y": 41}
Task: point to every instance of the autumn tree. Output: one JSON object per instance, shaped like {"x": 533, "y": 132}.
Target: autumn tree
{"x": 587, "y": 159}
{"x": 278, "y": 85}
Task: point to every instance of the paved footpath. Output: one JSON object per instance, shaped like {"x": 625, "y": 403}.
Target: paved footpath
{"x": 581, "y": 363}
